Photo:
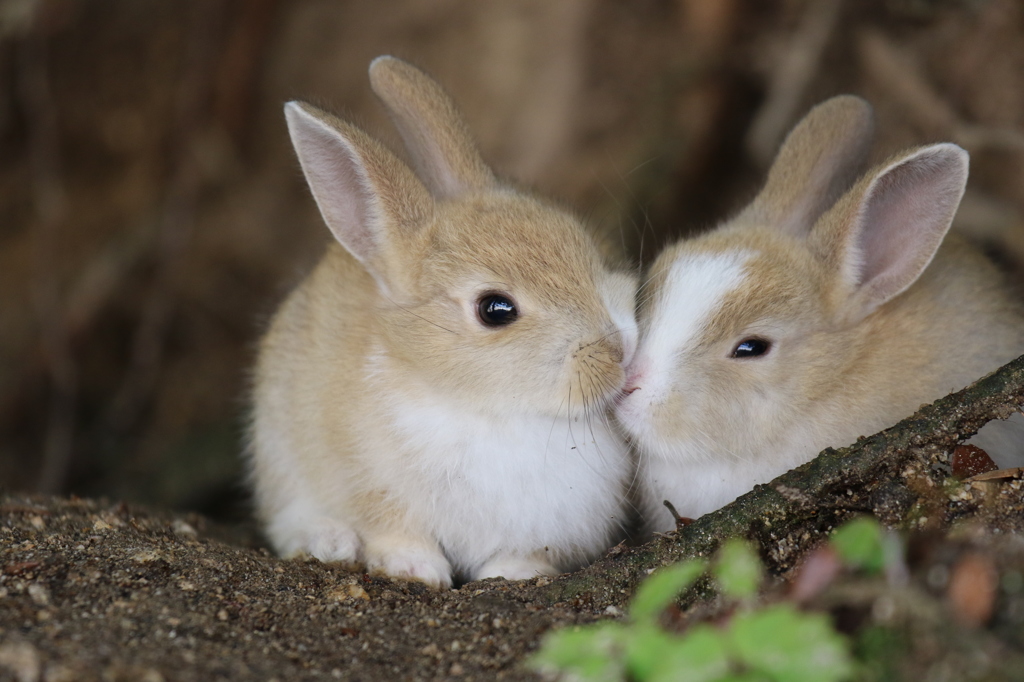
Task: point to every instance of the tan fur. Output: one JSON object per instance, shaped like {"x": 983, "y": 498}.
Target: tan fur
{"x": 868, "y": 318}
{"x": 823, "y": 172}
{"x": 957, "y": 323}
{"x": 385, "y": 331}
{"x": 428, "y": 120}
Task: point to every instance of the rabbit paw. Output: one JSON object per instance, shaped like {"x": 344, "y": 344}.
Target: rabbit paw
{"x": 296, "y": 532}
{"x": 330, "y": 541}
{"x": 424, "y": 564}
{"x": 515, "y": 568}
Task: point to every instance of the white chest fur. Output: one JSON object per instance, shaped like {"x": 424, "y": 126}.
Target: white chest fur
{"x": 698, "y": 478}
{"x": 492, "y": 486}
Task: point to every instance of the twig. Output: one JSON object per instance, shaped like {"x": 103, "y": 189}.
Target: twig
{"x": 901, "y": 79}
{"x": 770, "y": 515}
{"x": 251, "y": 28}
{"x": 103, "y": 278}
{"x": 87, "y": 295}
{"x": 177, "y": 216}
{"x": 790, "y": 79}
{"x": 680, "y": 520}
{"x": 50, "y": 202}
{"x": 986, "y": 219}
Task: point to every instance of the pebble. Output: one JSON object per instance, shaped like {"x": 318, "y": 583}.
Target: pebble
{"x": 182, "y": 528}
{"x": 40, "y": 595}
{"x": 22, "y": 659}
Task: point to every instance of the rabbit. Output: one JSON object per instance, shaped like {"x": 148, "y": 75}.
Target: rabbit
{"x": 827, "y": 309}
{"x": 433, "y": 400}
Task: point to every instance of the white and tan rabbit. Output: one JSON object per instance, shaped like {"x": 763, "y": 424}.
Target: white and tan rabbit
{"x": 432, "y": 400}
{"x": 815, "y": 316}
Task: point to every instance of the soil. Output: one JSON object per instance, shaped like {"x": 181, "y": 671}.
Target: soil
{"x": 99, "y": 590}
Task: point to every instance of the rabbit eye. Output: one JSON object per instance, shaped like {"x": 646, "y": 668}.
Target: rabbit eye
{"x": 496, "y": 310}
{"x": 751, "y": 348}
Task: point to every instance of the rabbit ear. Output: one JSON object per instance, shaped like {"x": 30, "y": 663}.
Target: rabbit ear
{"x": 885, "y": 231}
{"x": 819, "y": 160}
{"x": 369, "y": 199}
{"x": 443, "y": 152}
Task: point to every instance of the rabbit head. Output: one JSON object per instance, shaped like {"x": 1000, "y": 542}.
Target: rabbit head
{"x": 747, "y": 330}
{"x": 485, "y": 293}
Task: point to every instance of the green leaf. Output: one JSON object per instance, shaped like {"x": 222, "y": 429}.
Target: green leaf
{"x": 790, "y": 645}
{"x": 879, "y": 651}
{"x": 860, "y": 544}
{"x": 738, "y": 570}
{"x": 646, "y": 649}
{"x": 701, "y": 655}
{"x": 592, "y": 653}
{"x": 661, "y": 588}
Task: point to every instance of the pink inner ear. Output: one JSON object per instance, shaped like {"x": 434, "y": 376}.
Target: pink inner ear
{"x": 346, "y": 204}
{"x": 337, "y": 177}
{"x": 904, "y": 218}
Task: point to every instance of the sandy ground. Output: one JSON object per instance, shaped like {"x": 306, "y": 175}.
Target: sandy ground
{"x": 94, "y": 590}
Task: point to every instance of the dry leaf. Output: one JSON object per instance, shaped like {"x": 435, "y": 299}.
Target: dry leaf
{"x": 972, "y": 589}
{"x": 999, "y": 474}
{"x": 817, "y": 572}
{"x": 970, "y": 460}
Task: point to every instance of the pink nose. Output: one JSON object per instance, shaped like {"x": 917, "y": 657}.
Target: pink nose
{"x": 634, "y": 376}
{"x": 626, "y": 392}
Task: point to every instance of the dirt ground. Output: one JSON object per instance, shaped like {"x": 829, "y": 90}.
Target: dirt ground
{"x": 93, "y": 590}
{"x": 100, "y": 590}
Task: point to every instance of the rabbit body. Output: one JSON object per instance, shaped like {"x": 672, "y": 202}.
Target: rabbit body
{"x": 393, "y": 424}
{"x": 810, "y": 320}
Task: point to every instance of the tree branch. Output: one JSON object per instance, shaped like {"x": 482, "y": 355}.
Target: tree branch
{"x": 880, "y": 474}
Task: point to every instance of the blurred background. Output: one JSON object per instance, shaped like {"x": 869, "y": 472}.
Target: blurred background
{"x": 152, "y": 214}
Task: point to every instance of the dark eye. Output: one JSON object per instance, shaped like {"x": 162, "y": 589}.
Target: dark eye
{"x": 751, "y": 348}
{"x": 496, "y": 310}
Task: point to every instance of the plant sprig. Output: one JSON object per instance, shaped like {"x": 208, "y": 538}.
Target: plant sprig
{"x": 762, "y": 642}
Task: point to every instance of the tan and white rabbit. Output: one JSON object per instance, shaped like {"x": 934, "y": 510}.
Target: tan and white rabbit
{"x": 432, "y": 400}
{"x": 815, "y": 316}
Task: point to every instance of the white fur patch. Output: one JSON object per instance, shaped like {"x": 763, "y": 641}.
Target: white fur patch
{"x": 494, "y": 491}
{"x": 692, "y": 293}
{"x": 618, "y": 292}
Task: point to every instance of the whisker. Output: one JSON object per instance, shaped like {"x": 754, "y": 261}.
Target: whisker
{"x": 554, "y": 421}
{"x": 404, "y": 309}
{"x": 641, "y": 231}
{"x": 642, "y": 164}
{"x": 599, "y": 339}
{"x": 568, "y": 415}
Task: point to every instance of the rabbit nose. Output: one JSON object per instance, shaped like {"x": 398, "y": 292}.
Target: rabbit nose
{"x": 634, "y": 377}
{"x": 624, "y": 393}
